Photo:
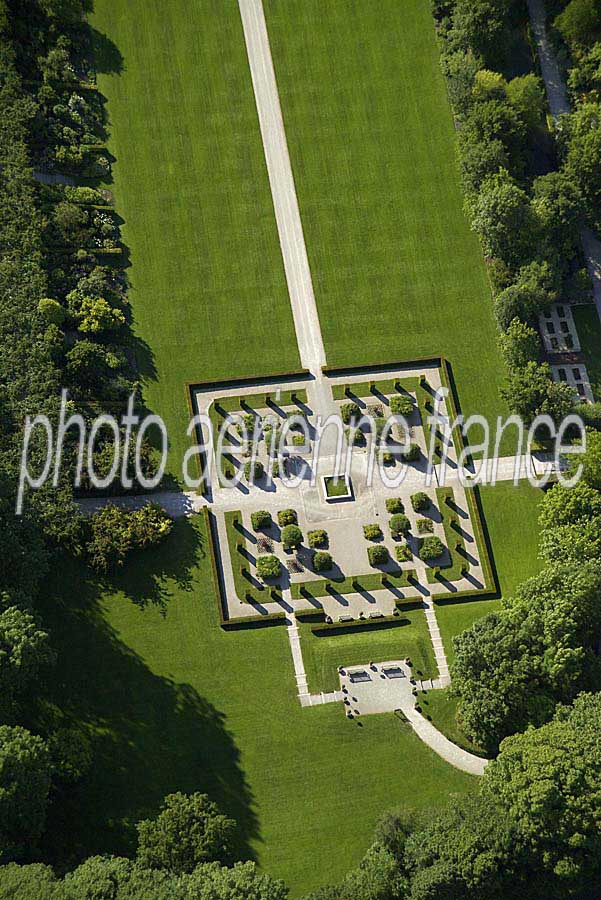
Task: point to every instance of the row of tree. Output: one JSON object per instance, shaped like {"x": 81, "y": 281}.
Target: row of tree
{"x": 527, "y": 196}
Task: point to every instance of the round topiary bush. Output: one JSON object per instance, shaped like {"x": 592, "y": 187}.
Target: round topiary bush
{"x": 260, "y": 519}
{"x": 425, "y": 526}
{"x": 268, "y": 567}
{"x": 431, "y": 547}
{"x": 377, "y": 555}
{"x": 292, "y": 536}
{"x": 322, "y": 561}
{"x": 253, "y": 471}
{"x": 420, "y": 501}
{"x": 401, "y": 405}
{"x": 287, "y": 517}
{"x": 399, "y": 524}
{"x": 394, "y": 505}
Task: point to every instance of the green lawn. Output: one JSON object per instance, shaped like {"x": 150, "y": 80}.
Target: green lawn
{"x": 173, "y": 702}
{"x": 396, "y": 270}
{"x": 588, "y": 327}
{"x": 408, "y": 637}
{"x": 207, "y": 280}
{"x": 441, "y": 708}
{"x": 511, "y": 515}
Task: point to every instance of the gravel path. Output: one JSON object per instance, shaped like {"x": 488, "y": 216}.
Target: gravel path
{"x": 294, "y": 251}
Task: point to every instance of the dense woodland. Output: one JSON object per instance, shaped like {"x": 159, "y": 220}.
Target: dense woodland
{"x": 526, "y": 678}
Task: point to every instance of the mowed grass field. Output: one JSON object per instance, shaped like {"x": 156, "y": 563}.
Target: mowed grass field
{"x": 511, "y": 514}
{"x": 173, "y": 702}
{"x": 207, "y": 282}
{"x": 397, "y": 272}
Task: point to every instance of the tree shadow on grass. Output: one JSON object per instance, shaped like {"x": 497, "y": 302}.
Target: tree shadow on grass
{"x": 108, "y": 59}
{"x": 146, "y": 578}
{"x": 150, "y": 735}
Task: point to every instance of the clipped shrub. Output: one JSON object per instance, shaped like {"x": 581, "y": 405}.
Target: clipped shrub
{"x": 403, "y": 553}
{"x": 399, "y": 524}
{"x": 395, "y": 505}
{"x": 317, "y": 538}
{"x": 350, "y": 412}
{"x": 431, "y": 547}
{"x": 322, "y": 561}
{"x": 425, "y": 526}
{"x": 298, "y": 440}
{"x": 377, "y": 555}
{"x": 372, "y": 532}
{"x": 287, "y": 517}
{"x": 260, "y": 519}
{"x": 412, "y": 454}
{"x": 420, "y": 501}
{"x": 401, "y": 405}
{"x": 268, "y": 567}
{"x": 292, "y": 536}
{"x": 253, "y": 471}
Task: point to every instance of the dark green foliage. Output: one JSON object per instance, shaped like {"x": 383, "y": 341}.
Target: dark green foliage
{"x": 317, "y": 538}
{"x": 322, "y": 561}
{"x": 287, "y": 517}
{"x": 260, "y": 519}
{"x": 401, "y": 405}
{"x": 394, "y": 505}
{"x": 412, "y": 454}
{"x": 254, "y": 470}
{"x": 189, "y": 830}
{"x": 372, "y": 532}
{"x": 419, "y": 501}
{"x": 431, "y": 547}
{"x": 350, "y": 413}
{"x": 377, "y": 555}
{"x": 114, "y": 532}
{"x": 268, "y": 567}
{"x": 24, "y": 649}
{"x": 24, "y": 789}
{"x": 520, "y": 344}
{"x": 531, "y": 392}
{"x": 292, "y": 536}
{"x": 399, "y": 524}
{"x": 580, "y": 23}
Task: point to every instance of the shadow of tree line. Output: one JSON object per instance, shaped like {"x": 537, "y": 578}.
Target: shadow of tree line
{"x": 150, "y": 735}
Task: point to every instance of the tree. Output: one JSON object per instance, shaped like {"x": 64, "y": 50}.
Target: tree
{"x": 292, "y": 536}
{"x": 97, "y": 315}
{"x": 489, "y": 85}
{"x": 350, "y": 412}
{"x": 504, "y": 219}
{"x": 512, "y": 668}
{"x": 24, "y": 789}
{"x": 51, "y": 311}
{"x": 496, "y": 120}
{"x": 189, "y": 830}
{"x": 580, "y": 23}
{"x": 431, "y": 547}
{"x": 531, "y": 392}
{"x": 591, "y": 460}
{"x": 583, "y": 161}
{"x": 322, "y": 561}
{"x": 527, "y": 96}
{"x": 558, "y": 204}
{"x": 535, "y": 288}
{"x": 114, "y": 532}
{"x": 242, "y": 881}
{"x": 480, "y": 25}
{"x": 548, "y": 781}
{"x": 568, "y": 506}
{"x": 260, "y": 519}
{"x": 419, "y": 501}
{"x": 520, "y": 344}
{"x": 399, "y": 524}
{"x": 24, "y": 649}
